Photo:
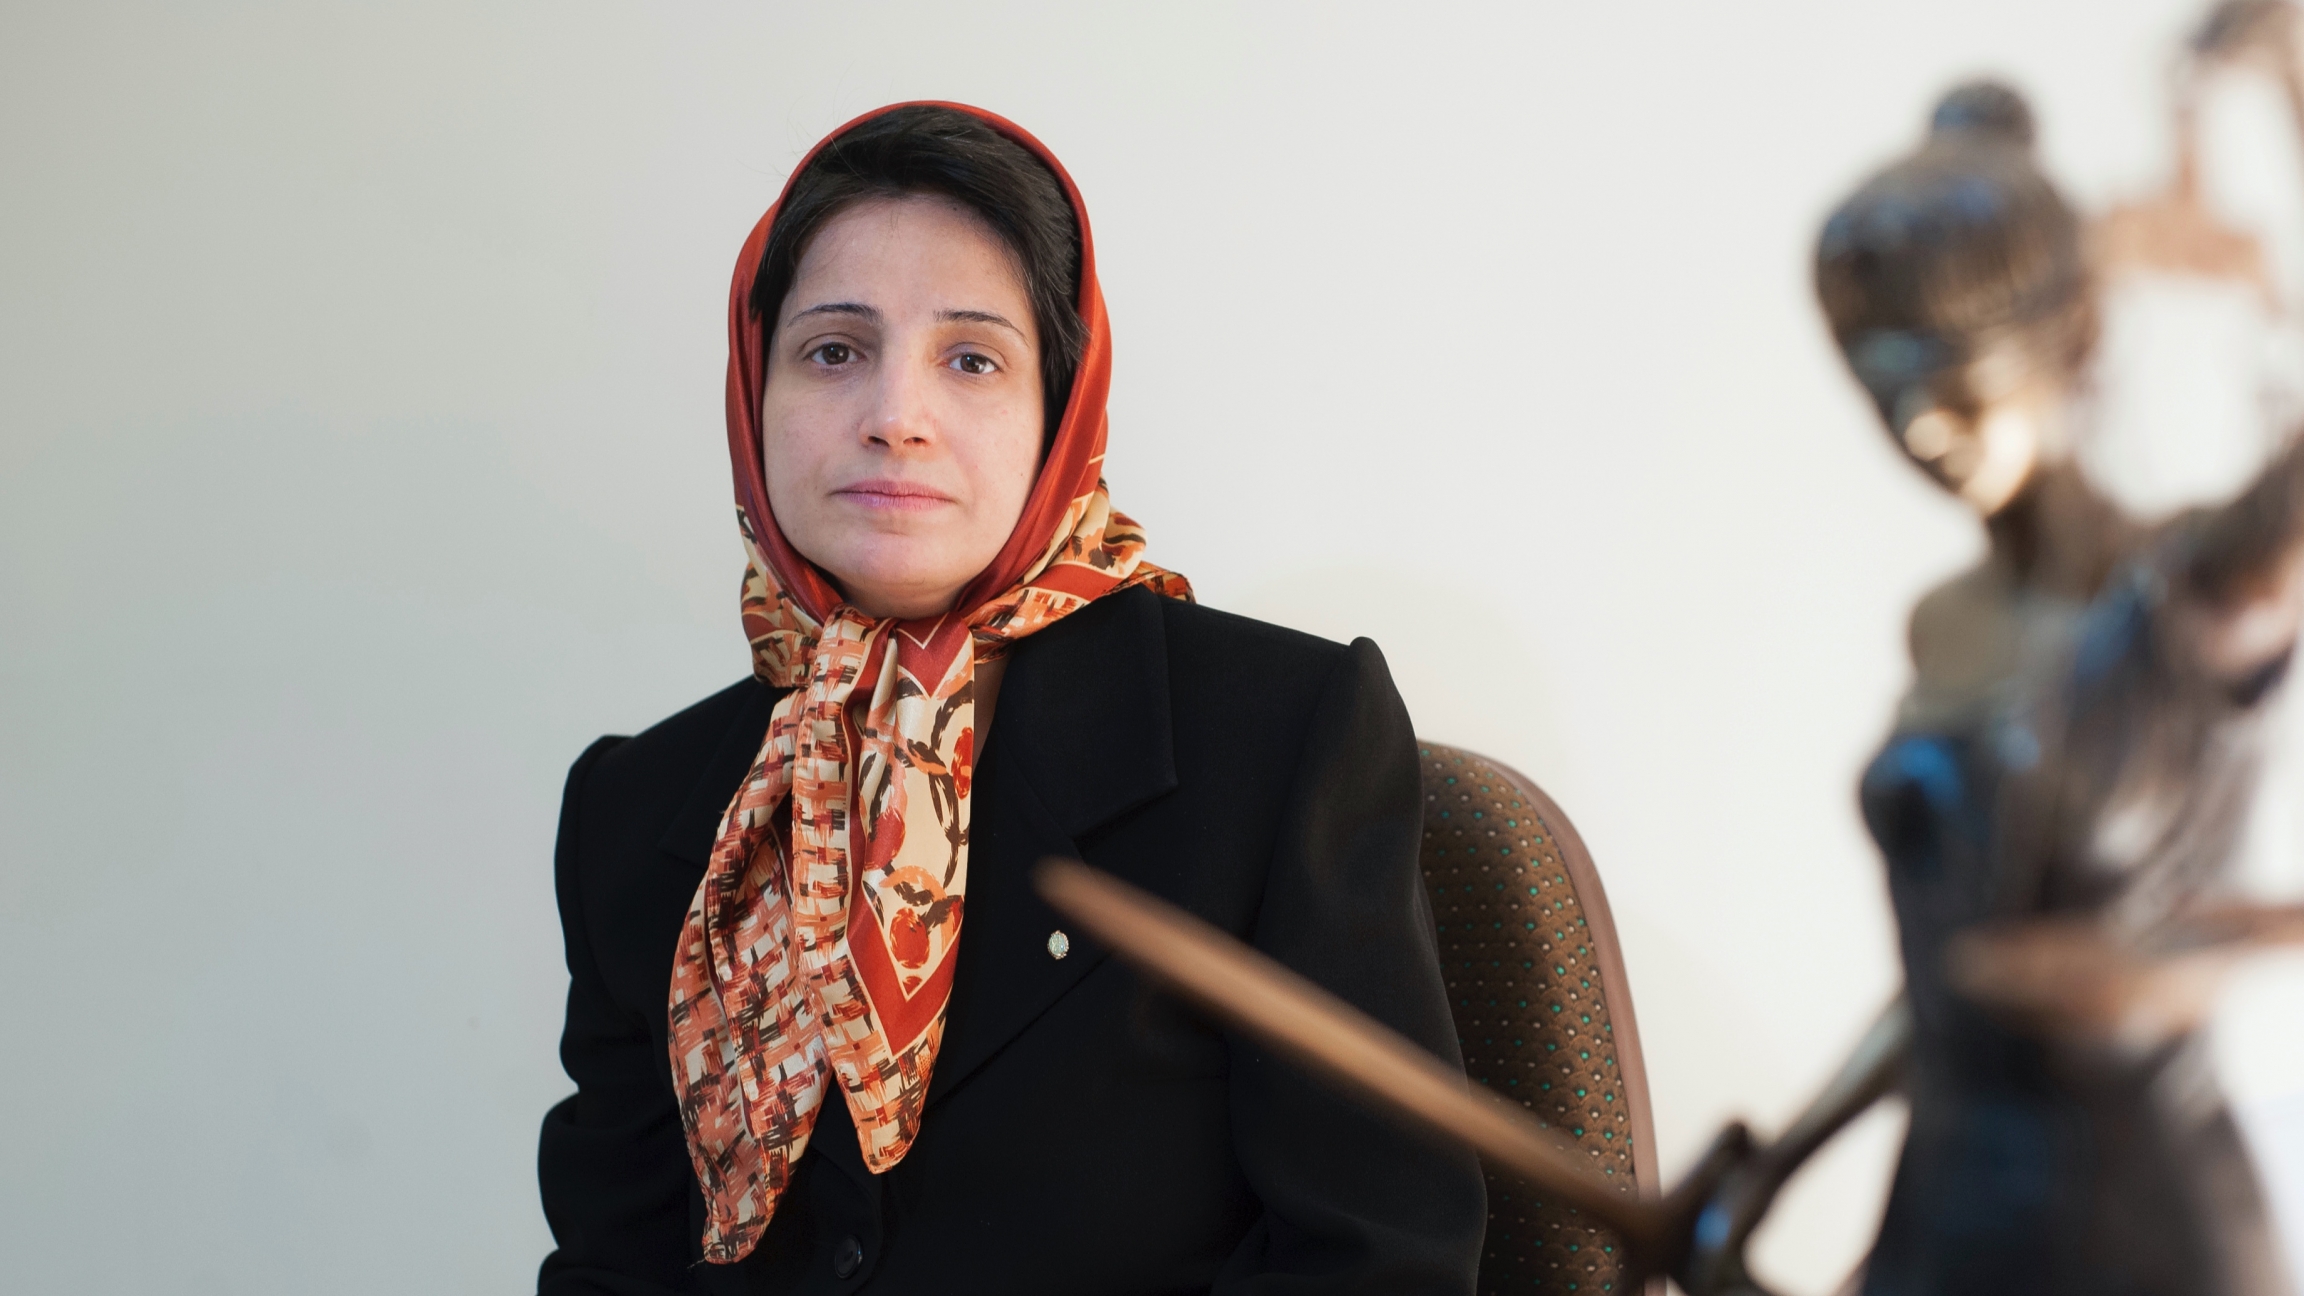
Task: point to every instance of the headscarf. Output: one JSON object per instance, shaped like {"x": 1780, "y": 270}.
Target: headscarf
{"x": 822, "y": 940}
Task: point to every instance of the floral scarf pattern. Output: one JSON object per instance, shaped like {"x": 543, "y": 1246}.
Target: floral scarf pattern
{"x": 820, "y": 947}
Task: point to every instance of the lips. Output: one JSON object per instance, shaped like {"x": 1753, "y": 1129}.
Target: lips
{"x": 884, "y": 493}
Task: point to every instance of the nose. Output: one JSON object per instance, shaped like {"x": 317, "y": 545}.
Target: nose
{"x": 902, "y": 414}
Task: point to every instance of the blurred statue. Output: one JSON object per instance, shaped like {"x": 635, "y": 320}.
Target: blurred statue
{"x": 2061, "y": 794}
{"x": 1955, "y": 284}
{"x": 2057, "y": 804}
{"x": 2067, "y": 777}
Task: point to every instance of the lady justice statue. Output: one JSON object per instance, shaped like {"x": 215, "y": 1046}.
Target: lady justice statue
{"x": 2067, "y": 775}
{"x": 2056, "y": 804}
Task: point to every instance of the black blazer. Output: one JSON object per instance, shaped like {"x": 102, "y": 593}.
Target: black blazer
{"x": 1082, "y": 1136}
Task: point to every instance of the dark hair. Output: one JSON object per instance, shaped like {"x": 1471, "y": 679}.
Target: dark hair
{"x": 1961, "y": 250}
{"x": 926, "y": 149}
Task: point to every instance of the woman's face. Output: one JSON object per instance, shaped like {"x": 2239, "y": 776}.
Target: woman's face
{"x": 901, "y": 421}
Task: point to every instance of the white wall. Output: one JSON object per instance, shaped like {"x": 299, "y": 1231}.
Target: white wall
{"x": 360, "y": 459}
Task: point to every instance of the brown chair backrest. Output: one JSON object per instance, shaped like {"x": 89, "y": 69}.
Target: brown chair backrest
{"x": 1536, "y": 981}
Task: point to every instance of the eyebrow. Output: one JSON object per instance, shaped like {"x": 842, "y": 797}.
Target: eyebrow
{"x": 870, "y": 314}
{"x": 978, "y": 317}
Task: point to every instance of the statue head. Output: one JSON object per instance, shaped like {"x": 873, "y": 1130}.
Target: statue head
{"x": 1955, "y": 285}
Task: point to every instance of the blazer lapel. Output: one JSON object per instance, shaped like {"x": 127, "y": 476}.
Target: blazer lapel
{"x": 1080, "y": 736}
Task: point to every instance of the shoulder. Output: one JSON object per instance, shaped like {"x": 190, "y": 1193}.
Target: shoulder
{"x": 1958, "y": 595}
{"x": 1256, "y": 672}
{"x": 1254, "y": 642}
{"x": 632, "y": 791}
{"x": 1212, "y": 648}
{"x": 1200, "y": 656}
{"x": 1955, "y": 627}
{"x": 1138, "y": 686}
{"x": 636, "y": 825}
{"x": 1273, "y": 690}
{"x": 678, "y": 744}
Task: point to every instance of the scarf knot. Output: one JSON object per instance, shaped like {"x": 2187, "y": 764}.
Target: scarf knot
{"x": 820, "y": 947}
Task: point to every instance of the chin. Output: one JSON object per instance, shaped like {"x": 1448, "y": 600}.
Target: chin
{"x": 900, "y": 570}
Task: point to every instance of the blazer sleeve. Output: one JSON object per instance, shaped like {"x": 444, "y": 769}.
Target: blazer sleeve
{"x": 612, "y": 1162}
{"x": 1353, "y": 1202}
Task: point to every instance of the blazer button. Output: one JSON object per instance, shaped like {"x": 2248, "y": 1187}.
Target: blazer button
{"x": 847, "y": 1258}
{"x": 1059, "y": 944}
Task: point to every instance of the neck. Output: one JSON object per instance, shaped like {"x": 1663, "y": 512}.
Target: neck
{"x": 897, "y": 605}
{"x": 2058, "y": 535}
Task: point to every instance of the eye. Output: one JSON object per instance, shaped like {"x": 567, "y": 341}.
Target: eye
{"x": 833, "y": 353}
{"x": 968, "y": 362}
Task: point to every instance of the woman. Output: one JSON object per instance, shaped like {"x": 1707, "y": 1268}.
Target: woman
{"x": 823, "y": 1033}
{"x": 2074, "y": 747}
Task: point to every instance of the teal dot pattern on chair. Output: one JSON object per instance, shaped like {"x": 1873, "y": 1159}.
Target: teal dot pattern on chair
{"x": 1536, "y": 984}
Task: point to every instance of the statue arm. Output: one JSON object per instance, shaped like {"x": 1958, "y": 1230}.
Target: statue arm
{"x": 1873, "y": 1070}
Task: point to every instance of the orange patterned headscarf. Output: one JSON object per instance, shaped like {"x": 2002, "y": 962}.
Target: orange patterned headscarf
{"x": 821, "y": 944}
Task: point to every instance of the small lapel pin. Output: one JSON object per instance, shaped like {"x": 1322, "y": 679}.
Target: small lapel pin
{"x": 1059, "y": 944}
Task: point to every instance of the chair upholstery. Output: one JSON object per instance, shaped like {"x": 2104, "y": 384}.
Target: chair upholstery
{"x": 1537, "y": 984}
